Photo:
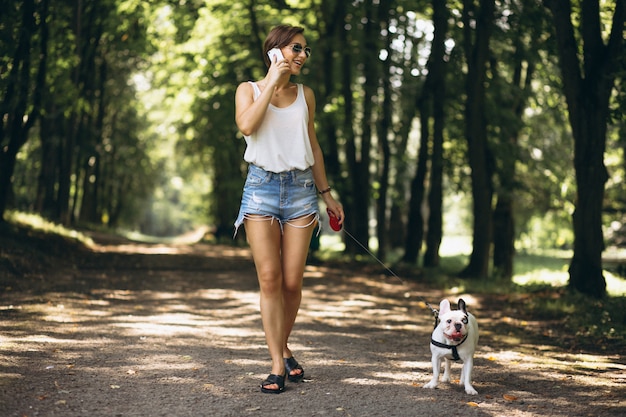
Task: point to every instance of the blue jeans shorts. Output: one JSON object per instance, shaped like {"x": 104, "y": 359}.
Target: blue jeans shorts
{"x": 280, "y": 196}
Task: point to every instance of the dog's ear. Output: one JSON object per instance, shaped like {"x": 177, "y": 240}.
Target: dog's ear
{"x": 462, "y": 305}
{"x": 444, "y": 307}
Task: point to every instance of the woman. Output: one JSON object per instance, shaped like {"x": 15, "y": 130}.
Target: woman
{"x": 279, "y": 207}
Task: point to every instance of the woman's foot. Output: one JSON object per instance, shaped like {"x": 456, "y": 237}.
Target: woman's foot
{"x": 273, "y": 384}
{"x": 294, "y": 371}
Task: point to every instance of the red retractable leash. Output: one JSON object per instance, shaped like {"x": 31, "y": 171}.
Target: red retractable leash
{"x": 333, "y": 221}
{"x": 334, "y": 224}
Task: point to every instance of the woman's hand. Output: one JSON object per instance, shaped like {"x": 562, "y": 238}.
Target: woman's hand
{"x": 335, "y": 207}
{"x": 277, "y": 70}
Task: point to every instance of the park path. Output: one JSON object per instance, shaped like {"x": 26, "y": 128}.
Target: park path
{"x": 166, "y": 330}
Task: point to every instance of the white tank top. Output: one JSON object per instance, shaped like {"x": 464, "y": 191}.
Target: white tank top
{"x": 281, "y": 143}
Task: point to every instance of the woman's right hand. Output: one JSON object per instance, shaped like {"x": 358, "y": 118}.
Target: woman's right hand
{"x": 278, "y": 69}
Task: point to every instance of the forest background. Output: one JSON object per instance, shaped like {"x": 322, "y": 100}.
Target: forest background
{"x": 499, "y": 120}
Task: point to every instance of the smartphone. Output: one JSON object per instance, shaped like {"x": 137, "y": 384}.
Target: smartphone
{"x": 275, "y": 52}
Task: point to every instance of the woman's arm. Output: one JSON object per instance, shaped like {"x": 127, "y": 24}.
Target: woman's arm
{"x": 249, "y": 113}
{"x": 318, "y": 168}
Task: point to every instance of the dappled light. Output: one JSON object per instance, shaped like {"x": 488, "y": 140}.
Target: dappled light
{"x": 119, "y": 115}
{"x": 178, "y": 326}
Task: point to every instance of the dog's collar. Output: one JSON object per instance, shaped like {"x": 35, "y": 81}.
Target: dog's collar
{"x": 455, "y": 352}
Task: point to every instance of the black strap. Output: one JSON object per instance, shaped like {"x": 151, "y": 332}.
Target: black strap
{"x": 455, "y": 352}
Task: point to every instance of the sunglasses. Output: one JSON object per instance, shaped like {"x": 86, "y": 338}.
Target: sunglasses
{"x": 297, "y": 49}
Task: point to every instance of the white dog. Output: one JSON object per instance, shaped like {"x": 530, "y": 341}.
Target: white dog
{"x": 455, "y": 338}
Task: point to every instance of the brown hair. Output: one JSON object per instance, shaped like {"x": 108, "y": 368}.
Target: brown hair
{"x": 278, "y": 37}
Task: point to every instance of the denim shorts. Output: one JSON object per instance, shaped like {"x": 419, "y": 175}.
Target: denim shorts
{"x": 282, "y": 196}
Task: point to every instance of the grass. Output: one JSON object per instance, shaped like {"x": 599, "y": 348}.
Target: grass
{"x": 38, "y": 224}
{"x": 541, "y": 268}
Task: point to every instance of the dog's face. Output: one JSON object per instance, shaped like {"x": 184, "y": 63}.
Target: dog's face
{"x": 453, "y": 322}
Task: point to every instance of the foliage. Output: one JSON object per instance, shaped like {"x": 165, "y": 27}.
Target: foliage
{"x": 137, "y": 128}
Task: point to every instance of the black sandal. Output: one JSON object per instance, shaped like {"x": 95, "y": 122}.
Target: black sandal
{"x": 291, "y": 364}
{"x": 271, "y": 380}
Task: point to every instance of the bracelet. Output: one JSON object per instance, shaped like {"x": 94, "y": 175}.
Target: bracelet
{"x": 327, "y": 190}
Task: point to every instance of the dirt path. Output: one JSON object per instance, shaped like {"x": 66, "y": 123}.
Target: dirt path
{"x": 140, "y": 330}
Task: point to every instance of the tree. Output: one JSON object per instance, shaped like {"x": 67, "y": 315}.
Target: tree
{"x": 477, "y": 29}
{"x": 108, "y": 150}
{"x": 588, "y": 72}
{"x": 437, "y": 67}
{"x": 21, "y": 104}
{"x": 512, "y": 76}
{"x": 384, "y": 124}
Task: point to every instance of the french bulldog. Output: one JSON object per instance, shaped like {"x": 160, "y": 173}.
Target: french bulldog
{"x": 454, "y": 339}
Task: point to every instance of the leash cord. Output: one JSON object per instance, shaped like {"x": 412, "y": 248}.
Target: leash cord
{"x": 434, "y": 311}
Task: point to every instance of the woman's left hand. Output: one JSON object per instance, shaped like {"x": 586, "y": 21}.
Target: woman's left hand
{"x": 336, "y": 208}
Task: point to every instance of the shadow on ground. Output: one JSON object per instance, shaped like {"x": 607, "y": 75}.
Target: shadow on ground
{"x": 156, "y": 330}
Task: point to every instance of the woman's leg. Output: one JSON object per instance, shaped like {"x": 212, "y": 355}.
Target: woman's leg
{"x": 295, "y": 247}
{"x": 264, "y": 237}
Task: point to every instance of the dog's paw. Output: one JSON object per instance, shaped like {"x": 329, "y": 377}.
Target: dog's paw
{"x": 470, "y": 390}
{"x": 431, "y": 385}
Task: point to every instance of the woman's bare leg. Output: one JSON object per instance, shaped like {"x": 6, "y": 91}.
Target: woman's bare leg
{"x": 295, "y": 247}
{"x": 264, "y": 237}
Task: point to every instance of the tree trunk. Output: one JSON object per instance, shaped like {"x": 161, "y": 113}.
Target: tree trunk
{"x": 401, "y": 199}
{"x": 384, "y": 124}
{"x": 16, "y": 100}
{"x": 588, "y": 94}
{"x": 480, "y": 159}
{"x": 504, "y": 237}
{"x": 437, "y": 67}
{"x": 503, "y": 218}
{"x": 45, "y": 200}
{"x": 362, "y": 161}
{"x": 335, "y": 13}
{"x": 357, "y": 201}
{"x": 415, "y": 225}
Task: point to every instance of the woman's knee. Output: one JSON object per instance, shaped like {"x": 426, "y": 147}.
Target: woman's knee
{"x": 270, "y": 281}
{"x": 292, "y": 287}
